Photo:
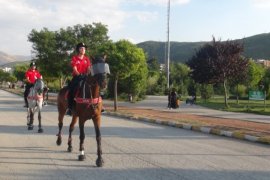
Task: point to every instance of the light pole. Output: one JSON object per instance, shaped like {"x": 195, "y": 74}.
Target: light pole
{"x": 168, "y": 46}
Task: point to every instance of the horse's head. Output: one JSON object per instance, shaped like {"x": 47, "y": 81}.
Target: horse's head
{"x": 99, "y": 72}
{"x": 39, "y": 86}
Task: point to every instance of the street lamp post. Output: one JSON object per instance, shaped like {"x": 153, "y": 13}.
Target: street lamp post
{"x": 168, "y": 46}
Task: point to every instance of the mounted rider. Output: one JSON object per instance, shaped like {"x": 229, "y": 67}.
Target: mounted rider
{"x": 80, "y": 67}
{"x": 31, "y": 75}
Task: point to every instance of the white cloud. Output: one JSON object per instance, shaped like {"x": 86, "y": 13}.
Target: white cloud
{"x": 161, "y": 2}
{"x": 261, "y": 3}
{"x": 19, "y": 17}
{"x": 146, "y": 16}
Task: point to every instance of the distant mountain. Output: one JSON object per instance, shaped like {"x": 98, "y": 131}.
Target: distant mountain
{"x": 256, "y": 47}
{"x": 7, "y": 59}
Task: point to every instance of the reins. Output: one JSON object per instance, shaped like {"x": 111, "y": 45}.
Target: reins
{"x": 93, "y": 102}
{"x": 35, "y": 94}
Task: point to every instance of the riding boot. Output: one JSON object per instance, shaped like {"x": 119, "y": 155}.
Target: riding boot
{"x": 25, "y": 95}
{"x": 25, "y": 102}
{"x": 69, "y": 112}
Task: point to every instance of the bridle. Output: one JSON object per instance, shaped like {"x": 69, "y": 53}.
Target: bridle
{"x": 93, "y": 102}
{"x": 36, "y": 93}
{"x": 96, "y": 69}
{"x": 39, "y": 90}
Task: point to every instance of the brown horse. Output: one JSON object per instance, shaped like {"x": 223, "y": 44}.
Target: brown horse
{"x": 88, "y": 106}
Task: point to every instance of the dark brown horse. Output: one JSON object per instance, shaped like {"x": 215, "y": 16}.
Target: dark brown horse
{"x": 88, "y": 106}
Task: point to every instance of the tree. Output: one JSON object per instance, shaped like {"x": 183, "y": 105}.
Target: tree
{"x": 179, "y": 76}
{"x": 6, "y": 76}
{"x": 19, "y": 71}
{"x": 266, "y": 81}
{"x": 53, "y": 49}
{"x": 206, "y": 91}
{"x": 124, "y": 59}
{"x": 218, "y": 62}
{"x": 135, "y": 84}
{"x": 153, "y": 64}
{"x": 255, "y": 74}
{"x": 154, "y": 76}
{"x": 48, "y": 59}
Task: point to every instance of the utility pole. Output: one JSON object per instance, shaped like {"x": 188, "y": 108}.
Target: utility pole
{"x": 168, "y": 46}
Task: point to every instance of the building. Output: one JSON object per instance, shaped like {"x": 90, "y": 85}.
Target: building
{"x": 7, "y": 69}
{"x": 264, "y": 62}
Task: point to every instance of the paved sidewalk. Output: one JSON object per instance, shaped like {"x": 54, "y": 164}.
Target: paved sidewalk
{"x": 160, "y": 103}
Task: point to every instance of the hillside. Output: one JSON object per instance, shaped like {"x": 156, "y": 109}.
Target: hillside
{"x": 256, "y": 47}
{"x": 7, "y": 59}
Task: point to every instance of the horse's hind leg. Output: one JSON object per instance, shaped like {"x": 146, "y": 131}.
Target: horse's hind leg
{"x": 99, "y": 161}
{"x": 60, "y": 126}
{"x": 81, "y": 157}
{"x": 71, "y": 128}
{"x": 40, "y": 130}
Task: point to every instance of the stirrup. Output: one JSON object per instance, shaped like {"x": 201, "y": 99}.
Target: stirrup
{"x": 69, "y": 112}
{"x": 44, "y": 103}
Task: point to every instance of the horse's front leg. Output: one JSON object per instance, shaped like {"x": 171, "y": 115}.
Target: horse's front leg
{"x": 28, "y": 116}
{"x": 71, "y": 128}
{"x": 99, "y": 161}
{"x": 31, "y": 116}
{"x": 40, "y": 130}
{"x": 81, "y": 157}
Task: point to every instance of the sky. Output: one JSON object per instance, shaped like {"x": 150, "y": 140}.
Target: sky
{"x": 134, "y": 20}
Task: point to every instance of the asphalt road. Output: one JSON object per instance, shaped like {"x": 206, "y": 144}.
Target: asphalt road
{"x": 131, "y": 150}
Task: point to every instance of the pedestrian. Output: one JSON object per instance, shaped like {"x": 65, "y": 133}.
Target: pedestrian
{"x": 169, "y": 100}
{"x": 31, "y": 75}
{"x": 80, "y": 68}
{"x": 173, "y": 99}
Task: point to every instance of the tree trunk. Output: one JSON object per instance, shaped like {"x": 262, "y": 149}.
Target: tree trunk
{"x": 61, "y": 82}
{"x": 225, "y": 94}
{"x": 115, "y": 93}
{"x": 237, "y": 95}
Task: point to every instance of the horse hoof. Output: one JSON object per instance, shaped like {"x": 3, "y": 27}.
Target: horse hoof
{"x": 69, "y": 149}
{"x": 30, "y": 127}
{"x": 99, "y": 162}
{"x": 59, "y": 141}
{"x": 40, "y": 130}
{"x": 81, "y": 157}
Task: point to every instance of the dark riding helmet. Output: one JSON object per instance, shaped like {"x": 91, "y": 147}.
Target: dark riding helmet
{"x": 81, "y": 44}
{"x": 32, "y": 64}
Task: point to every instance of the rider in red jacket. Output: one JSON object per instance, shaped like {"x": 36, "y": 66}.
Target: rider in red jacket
{"x": 80, "y": 66}
{"x": 31, "y": 75}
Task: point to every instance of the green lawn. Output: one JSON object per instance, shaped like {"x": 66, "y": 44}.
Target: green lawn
{"x": 257, "y": 107}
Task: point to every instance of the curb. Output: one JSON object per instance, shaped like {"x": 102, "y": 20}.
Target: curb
{"x": 204, "y": 129}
